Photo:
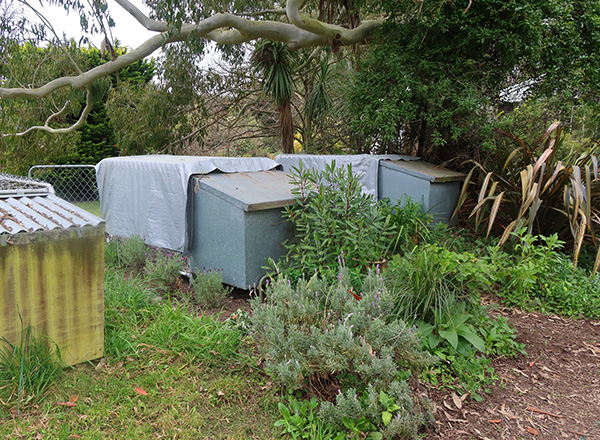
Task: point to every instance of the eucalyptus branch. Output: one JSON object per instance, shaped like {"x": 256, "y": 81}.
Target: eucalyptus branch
{"x": 89, "y": 102}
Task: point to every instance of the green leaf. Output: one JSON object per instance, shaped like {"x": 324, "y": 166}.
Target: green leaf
{"x": 468, "y": 333}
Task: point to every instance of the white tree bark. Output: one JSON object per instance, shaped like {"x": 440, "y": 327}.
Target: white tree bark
{"x": 223, "y": 28}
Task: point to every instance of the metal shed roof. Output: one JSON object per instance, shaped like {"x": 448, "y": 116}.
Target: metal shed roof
{"x": 425, "y": 171}
{"x": 253, "y": 191}
{"x": 41, "y": 213}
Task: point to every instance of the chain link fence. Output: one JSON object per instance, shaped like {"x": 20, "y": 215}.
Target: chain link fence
{"x": 74, "y": 183}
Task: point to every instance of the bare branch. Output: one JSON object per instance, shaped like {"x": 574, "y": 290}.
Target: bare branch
{"x": 89, "y": 102}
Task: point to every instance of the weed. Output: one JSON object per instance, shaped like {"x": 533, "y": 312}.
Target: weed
{"x": 208, "y": 289}
{"x": 130, "y": 252}
{"x": 163, "y": 270}
{"x": 28, "y": 368}
{"x": 301, "y": 421}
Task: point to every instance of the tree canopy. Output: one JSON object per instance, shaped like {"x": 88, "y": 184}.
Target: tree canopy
{"x": 430, "y": 77}
{"x": 434, "y": 78}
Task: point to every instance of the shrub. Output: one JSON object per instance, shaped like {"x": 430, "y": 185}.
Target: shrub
{"x": 332, "y": 217}
{"x": 321, "y": 337}
{"x": 542, "y": 191}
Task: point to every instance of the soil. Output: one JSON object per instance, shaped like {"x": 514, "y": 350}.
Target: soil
{"x": 553, "y": 392}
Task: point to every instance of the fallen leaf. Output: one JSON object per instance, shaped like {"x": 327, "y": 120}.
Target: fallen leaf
{"x": 74, "y": 398}
{"x": 76, "y": 436}
{"x": 457, "y": 401}
{"x": 141, "y": 391}
{"x": 69, "y": 404}
{"x": 532, "y": 363}
{"x": 532, "y": 431}
{"x": 496, "y": 421}
{"x": 220, "y": 393}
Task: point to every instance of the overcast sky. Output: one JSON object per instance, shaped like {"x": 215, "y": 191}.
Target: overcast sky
{"x": 127, "y": 30}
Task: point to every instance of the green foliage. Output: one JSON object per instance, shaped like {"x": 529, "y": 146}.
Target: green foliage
{"x": 201, "y": 338}
{"x": 374, "y": 414}
{"x": 431, "y": 280}
{"x": 128, "y": 307}
{"x": 130, "y": 252}
{"x": 537, "y": 276}
{"x": 333, "y": 219}
{"x": 28, "y": 367}
{"x": 542, "y": 191}
{"x": 135, "y": 318}
{"x": 208, "y": 288}
{"x": 318, "y": 334}
{"x": 300, "y": 420}
{"x": 431, "y": 76}
{"x": 470, "y": 373}
{"x": 163, "y": 270}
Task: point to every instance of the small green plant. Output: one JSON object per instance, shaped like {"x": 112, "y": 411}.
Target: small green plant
{"x": 301, "y": 421}
{"x": 537, "y": 276}
{"x": 28, "y": 368}
{"x": 163, "y": 270}
{"x": 130, "y": 252}
{"x": 376, "y": 414}
{"x": 209, "y": 290}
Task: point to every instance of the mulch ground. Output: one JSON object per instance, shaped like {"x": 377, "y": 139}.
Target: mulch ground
{"x": 553, "y": 392}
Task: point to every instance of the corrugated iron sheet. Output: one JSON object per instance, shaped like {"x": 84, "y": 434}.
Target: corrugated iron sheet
{"x": 41, "y": 213}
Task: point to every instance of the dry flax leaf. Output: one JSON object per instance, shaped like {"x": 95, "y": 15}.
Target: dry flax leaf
{"x": 532, "y": 431}
{"x": 530, "y": 408}
{"x": 495, "y": 421}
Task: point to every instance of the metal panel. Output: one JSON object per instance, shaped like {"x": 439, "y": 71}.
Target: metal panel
{"x": 250, "y": 191}
{"x": 436, "y": 188}
{"x": 54, "y": 281}
{"x": 237, "y": 222}
{"x": 424, "y": 170}
{"x": 39, "y": 213}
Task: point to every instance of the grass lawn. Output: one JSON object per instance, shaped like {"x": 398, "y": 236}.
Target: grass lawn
{"x": 165, "y": 374}
{"x": 92, "y": 207}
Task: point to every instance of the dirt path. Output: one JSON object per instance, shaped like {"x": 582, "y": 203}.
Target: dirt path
{"x": 551, "y": 393}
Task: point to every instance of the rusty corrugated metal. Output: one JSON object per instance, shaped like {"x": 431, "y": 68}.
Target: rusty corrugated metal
{"x": 41, "y": 213}
{"x": 51, "y": 269}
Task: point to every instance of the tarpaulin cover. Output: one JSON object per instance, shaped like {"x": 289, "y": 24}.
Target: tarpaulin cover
{"x": 365, "y": 166}
{"x": 147, "y": 195}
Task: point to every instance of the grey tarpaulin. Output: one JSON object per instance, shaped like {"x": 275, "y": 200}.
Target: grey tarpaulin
{"x": 147, "y": 195}
{"x": 365, "y": 166}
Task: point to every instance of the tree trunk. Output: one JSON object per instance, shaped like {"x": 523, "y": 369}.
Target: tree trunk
{"x": 286, "y": 127}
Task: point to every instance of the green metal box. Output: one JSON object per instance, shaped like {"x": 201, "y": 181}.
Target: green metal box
{"x": 436, "y": 188}
{"x": 237, "y": 223}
